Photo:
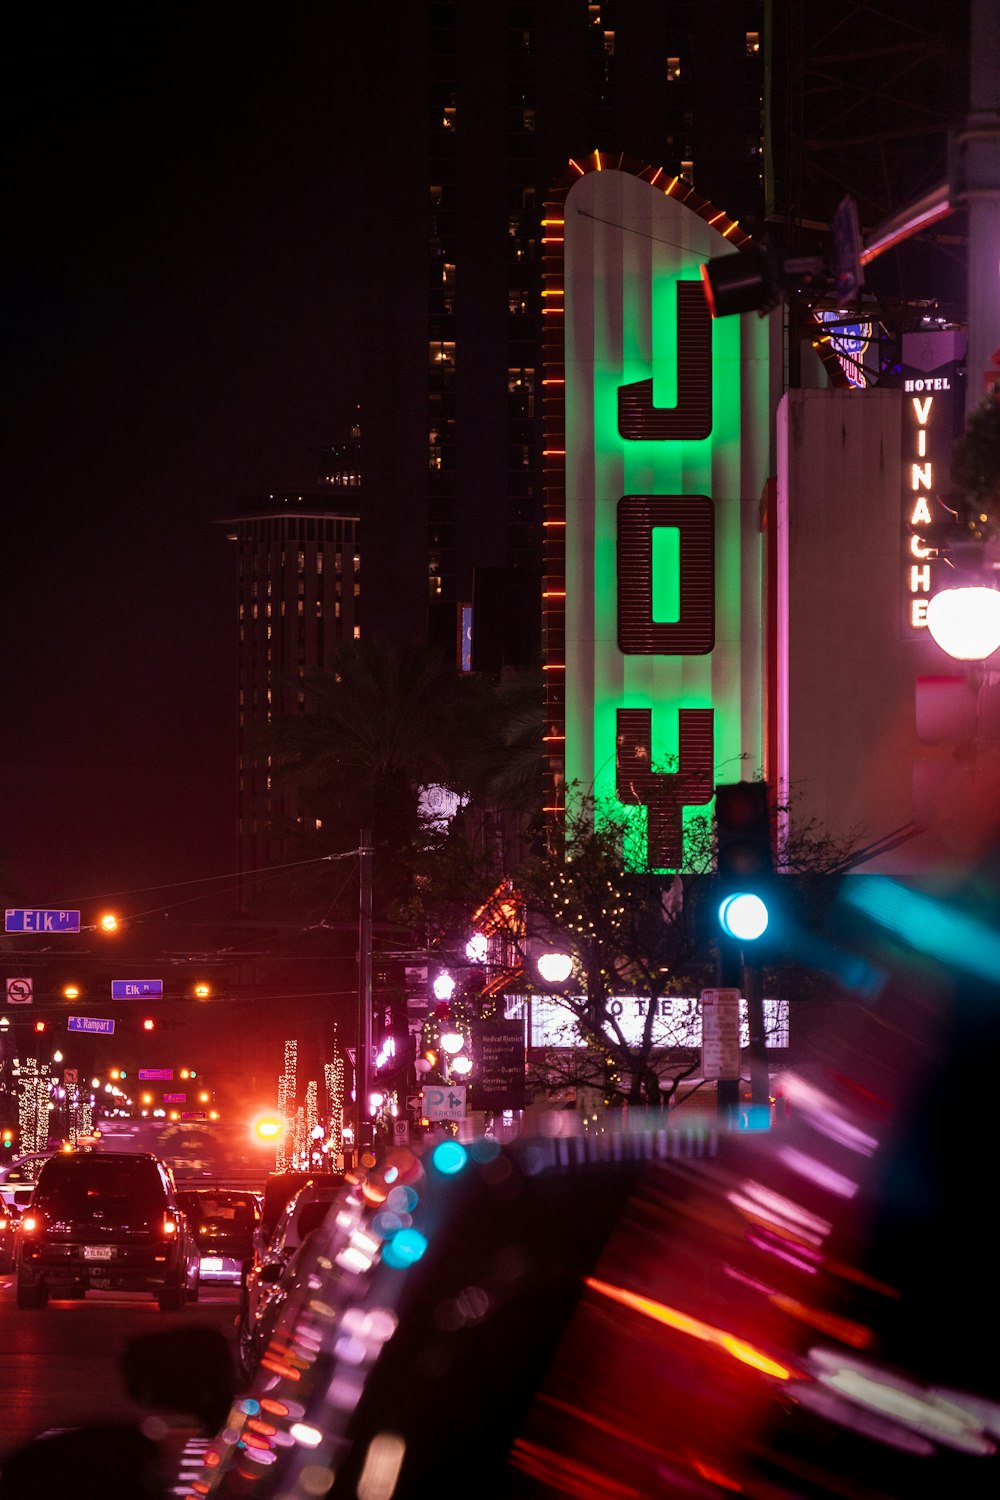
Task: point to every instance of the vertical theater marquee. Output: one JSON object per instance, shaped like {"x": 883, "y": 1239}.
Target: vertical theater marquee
{"x": 656, "y": 455}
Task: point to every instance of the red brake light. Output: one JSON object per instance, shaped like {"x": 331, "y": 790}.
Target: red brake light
{"x": 31, "y": 1223}
{"x": 4, "y": 1222}
{"x": 169, "y": 1225}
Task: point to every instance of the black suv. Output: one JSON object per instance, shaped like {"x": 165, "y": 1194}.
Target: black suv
{"x": 106, "y": 1221}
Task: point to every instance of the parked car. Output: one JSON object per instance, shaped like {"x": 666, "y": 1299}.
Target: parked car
{"x": 10, "y": 1224}
{"x": 267, "y": 1278}
{"x": 18, "y": 1177}
{"x": 278, "y": 1189}
{"x": 223, "y": 1221}
{"x": 105, "y": 1221}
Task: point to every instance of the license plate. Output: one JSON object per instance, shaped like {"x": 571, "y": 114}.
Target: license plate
{"x": 211, "y": 1263}
{"x": 98, "y": 1252}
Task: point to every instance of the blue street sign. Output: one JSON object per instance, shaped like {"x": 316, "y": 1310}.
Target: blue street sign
{"x": 136, "y": 989}
{"x": 90, "y": 1023}
{"x": 31, "y": 919}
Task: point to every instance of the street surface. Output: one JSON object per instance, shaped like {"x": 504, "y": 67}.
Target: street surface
{"x": 59, "y": 1364}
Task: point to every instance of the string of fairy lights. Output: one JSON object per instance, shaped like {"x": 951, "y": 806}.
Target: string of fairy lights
{"x": 309, "y": 1138}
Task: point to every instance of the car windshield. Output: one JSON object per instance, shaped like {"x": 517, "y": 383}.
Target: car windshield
{"x": 225, "y": 1210}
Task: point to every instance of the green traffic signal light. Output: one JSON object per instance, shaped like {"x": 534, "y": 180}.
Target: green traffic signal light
{"x": 743, "y": 916}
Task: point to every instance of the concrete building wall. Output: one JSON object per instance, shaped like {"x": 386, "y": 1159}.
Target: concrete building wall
{"x": 846, "y": 668}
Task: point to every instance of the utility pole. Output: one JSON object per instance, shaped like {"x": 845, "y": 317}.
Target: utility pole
{"x": 362, "y": 1082}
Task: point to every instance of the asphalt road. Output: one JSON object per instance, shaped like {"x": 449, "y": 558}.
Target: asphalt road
{"x": 59, "y": 1365}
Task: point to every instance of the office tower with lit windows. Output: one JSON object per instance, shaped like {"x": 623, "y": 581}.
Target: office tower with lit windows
{"x": 298, "y": 566}
{"x": 484, "y": 105}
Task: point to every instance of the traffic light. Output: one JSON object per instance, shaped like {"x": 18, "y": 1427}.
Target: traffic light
{"x": 756, "y": 278}
{"x": 7, "y": 1137}
{"x": 743, "y": 831}
{"x": 41, "y": 1026}
{"x": 745, "y": 281}
{"x": 149, "y": 1024}
{"x": 744, "y": 857}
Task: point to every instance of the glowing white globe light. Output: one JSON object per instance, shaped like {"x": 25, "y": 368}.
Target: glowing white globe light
{"x": 452, "y": 1042}
{"x": 965, "y": 622}
{"x": 444, "y": 986}
{"x": 554, "y": 967}
{"x": 476, "y": 947}
{"x": 461, "y": 1066}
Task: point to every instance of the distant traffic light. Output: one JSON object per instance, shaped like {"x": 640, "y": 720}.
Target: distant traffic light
{"x": 41, "y": 1026}
{"x": 71, "y": 991}
{"x": 747, "y": 280}
{"x": 7, "y": 1138}
{"x": 202, "y": 990}
{"x": 149, "y": 1024}
{"x": 744, "y": 858}
{"x": 743, "y": 830}
{"x": 109, "y": 921}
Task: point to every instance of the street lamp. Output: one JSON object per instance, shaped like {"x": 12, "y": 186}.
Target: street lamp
{"x": 965, "y": 621}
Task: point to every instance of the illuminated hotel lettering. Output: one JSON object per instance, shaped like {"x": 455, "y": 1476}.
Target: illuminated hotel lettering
{"x": 660, "y": 632}
{"x": 919, "y": 471}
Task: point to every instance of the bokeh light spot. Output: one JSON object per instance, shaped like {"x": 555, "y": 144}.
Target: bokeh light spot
{"x": 404, "y": 1248}
{"x": 450, "y": 1157}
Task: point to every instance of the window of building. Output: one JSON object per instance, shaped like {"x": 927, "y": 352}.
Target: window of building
{"x": 753, "y": 43}
{"x": 442, "y": 354}
{"x": 528, "y": 120}
{"x": 673, "y": 69}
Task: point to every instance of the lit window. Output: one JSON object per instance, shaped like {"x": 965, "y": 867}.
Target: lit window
{"x": 528, "y": 120}
{"x": 448, "y": 118}
{"x": 673, "y": 69}
{"x": 753, "y": 43}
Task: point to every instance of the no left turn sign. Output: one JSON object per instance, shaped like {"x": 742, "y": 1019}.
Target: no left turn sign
{"x": 19, "y": 992}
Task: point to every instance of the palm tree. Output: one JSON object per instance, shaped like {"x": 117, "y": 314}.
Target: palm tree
{"x": 380, "y": 722}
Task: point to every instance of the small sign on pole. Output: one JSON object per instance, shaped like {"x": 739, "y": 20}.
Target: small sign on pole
{"x": 19, "y": 992}
{"x": 720, "y": 1033}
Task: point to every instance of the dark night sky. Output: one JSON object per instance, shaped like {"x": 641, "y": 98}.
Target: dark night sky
{"x": 180, "y": 310}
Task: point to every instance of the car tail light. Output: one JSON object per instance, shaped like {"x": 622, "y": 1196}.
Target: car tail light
{"x": 4, "y": 1223}
{"x": 169, "y": 1226}
{"x": 31, "y": 1222}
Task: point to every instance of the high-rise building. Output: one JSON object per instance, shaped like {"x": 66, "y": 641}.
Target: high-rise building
{"x": 479, "y": 109}
{"x": 298, "y": 565}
